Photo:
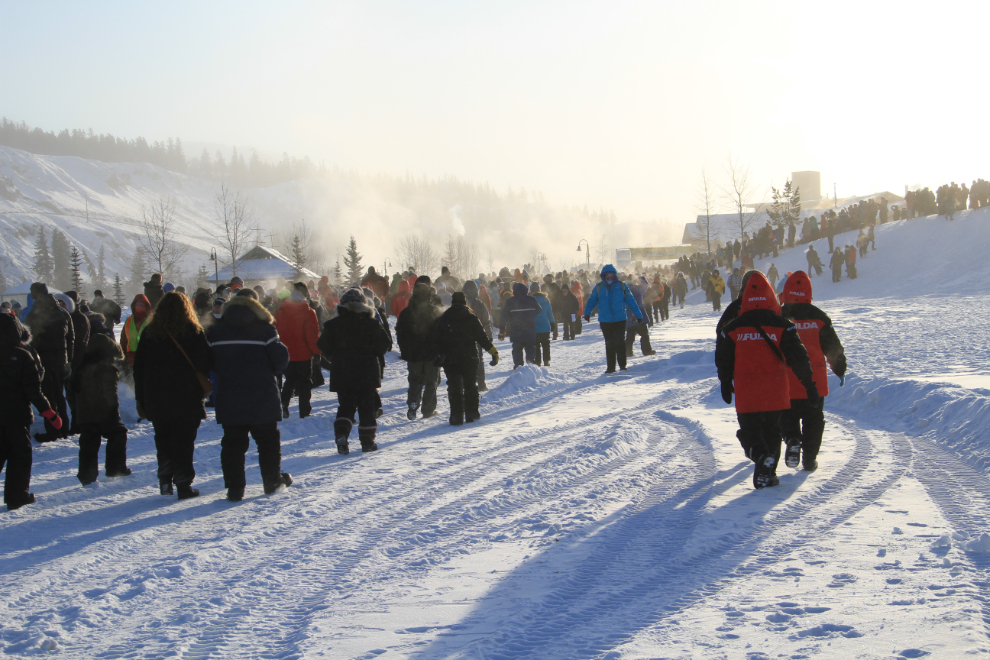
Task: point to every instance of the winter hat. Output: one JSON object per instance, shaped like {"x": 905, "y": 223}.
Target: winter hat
{"x": 236, "y": 280}
{"x": 441, "y": 286}
{"x": 458, "y": 298}
{"x": 283, "y": 294}
{"x": 758, "y": 294}
{"x": 534, "y": 287}
{"x": 73, "y": 295}
{"x": 169, "y": 287}
{"x": 797, "y": 289}
{"x": 351, "y": 296}
{"x": 39, "y": 289}
{"x": 246, "y": 293}
{"x": 424, "y": 279}
{"x": 470, "y": 288}
{"x": 84, "y": 308}
{"x": 156, "y": 278}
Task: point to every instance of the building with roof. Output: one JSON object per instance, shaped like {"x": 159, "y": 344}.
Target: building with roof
{"x": 261, "y": 264}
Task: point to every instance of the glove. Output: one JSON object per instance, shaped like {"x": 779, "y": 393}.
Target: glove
{"x": 842, "y": 380}
{"x": 53, "y": 418}
{"x": 813, "y": 396}
{"x": 587, "y": 318}
{"x": 501, "y": 335}
{"x": 727, "y": 392}
{"x": 494, "y": 353}
{"x": 140, "y": 410}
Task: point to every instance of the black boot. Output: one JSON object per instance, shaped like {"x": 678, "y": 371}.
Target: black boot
{"x": 367, "y": 436}
{"x": 792, "y": 455}
{"x": 187, "y": 492}
{"x": 18, "y": 503}
{"x": 283, "y": 479}
{"x": 341, "y": 431}
{"x": 235, "y": 494}
{"x": 118, "y": 472}
{"x": 165, "y": 488}
{"x": 86, "y": 478}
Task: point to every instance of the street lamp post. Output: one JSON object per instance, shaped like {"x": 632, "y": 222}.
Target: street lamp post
{"x": 385, "y": 266}
{"x": 587, "y": 250}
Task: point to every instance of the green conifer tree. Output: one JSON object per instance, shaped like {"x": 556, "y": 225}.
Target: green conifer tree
{"x": 43, "y": 265}
{"x": 352, "y": 261}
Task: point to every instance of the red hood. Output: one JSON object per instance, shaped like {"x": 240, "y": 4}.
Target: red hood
{"x": 140, "y": 298}
{"x": 797, "y": 288}
{"x": 758, "y": 294}
{"x": 405, "y": 287}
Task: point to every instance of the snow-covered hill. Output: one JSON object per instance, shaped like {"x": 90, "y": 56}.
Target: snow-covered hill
{"x": 583, "y": 516}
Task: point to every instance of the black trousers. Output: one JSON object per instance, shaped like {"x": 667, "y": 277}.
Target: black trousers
{"x": 542, "y": 352}
{"x": 174, "y": 443}
{"x": 481, "y": 368}
{"x": 15, "y": 457}
{"x": 615, "y": 343}
{"x": 759, "y": 433}
{"x": 423, "y": 380}
{"x": 644, "y": 339}
{"x": 655, "y": 309}
{"x": 365, "y": 404}
{"x": 570, "y": 328}
{"x": 91, "y": 435}
{"x": 299, "y": 382}
{"x": 520, "y": 347}
{"x": 807, "y": 422}
{"x": 462, "y": 390}
{"x": 234, "y": 445}
{"x": 53, "y": 387}
{"x": 665, "y": 309}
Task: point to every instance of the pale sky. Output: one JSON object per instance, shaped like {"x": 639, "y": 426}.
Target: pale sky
{"x": 614, "y": 104}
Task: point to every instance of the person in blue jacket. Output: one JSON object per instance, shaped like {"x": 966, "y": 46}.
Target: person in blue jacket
{"x": 249, "y": 357}
{"x": 519, "y": 314}
{"x": 612, "y": 298}
{"x": 544, "y": 324}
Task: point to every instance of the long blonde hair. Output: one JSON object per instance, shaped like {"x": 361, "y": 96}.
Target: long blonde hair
{"x": 173, "y": 315}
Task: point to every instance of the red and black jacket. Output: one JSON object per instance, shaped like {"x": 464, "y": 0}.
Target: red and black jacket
{"x": 758, "y": 350}
{"x": 817, "y": 334}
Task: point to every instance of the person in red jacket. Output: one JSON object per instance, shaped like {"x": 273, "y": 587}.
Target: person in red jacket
{"x": 804, "y": 423}
{"x": 401, "y": 299}
{"x": 299, "y": 330}
{"x": 755, "y": 354}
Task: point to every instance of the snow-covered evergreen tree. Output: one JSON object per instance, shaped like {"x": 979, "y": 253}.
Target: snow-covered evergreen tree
{"x": 61, "y": 266}
{"x": 75, "y": 270}
{"x": 352, "y": 261}
{"x": 118, "y": 289}
{"x": 43, "y": 265}
{"x": 137, "y": 269}
{"x": 101, "y": 268}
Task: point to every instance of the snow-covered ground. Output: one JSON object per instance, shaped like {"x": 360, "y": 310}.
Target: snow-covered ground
{"x": 584, "y": 516}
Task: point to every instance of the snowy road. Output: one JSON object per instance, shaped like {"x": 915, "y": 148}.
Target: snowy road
{"x": 583, "y": 517}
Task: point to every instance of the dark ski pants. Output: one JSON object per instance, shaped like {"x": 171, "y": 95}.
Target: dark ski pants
{"x": 53, "y": 387}
{"x": 615, "y": 343}
{"x": 520, "y": 347}
{"x": 299, "y": 382}
{"x": 807, "y": 422}
{"x": 542, "y": 352}
{"x": 570, "y": 329}
{"x": 759, "y": 434}
{"x": 482, "y": 385}
{"x": 837, "y": 274}
{"x": 462, "y": 391}
{"x": 174, "y": 443}
{"x": 91, "y": 435}
{"x": 656, "y": 308}
{"x": 365, "y": 404}
{"x": 665, "y": 309}
{"x": 234, "y": 445}
{"x": 15, "y": 458}
{"x": 644, "y": 339}
{"x": 423, "y": 380}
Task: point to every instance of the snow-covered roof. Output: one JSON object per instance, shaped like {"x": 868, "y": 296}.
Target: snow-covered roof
{"x": 263, "y": 263}
{"x": 24, "y": 288}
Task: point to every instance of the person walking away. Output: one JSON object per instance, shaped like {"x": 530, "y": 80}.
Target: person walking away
{"x": 658, "y": 291}
{"x": 54, "y": 341}
{"x": 108, "y": 308}
{"x": 139, "y": 319}
{"x": 753, "y": 355}
{"x": 248, "y": 357}
{"x": 457, "y": 336}
{"x": 153, "y": 290}
{"x": 716, "y": 287}
{"x": 545, "y": 324}
{"x": 354, "y": 343}
{"x": 772, "y": 275}
{"x": 94, "y": 385}
{"x": 680, "y": 289}
{"x": 836, "y": 263}
{"x": 173, "y": 357}
{"x": 851, "y": 262}
{"x": 401, "y": 299}
{"x": 299, "y": 330}
{"x": 471, "y": 293}
{"x": 69, "y": 301}
{"x": 735, "y": 282}
{"x": 612, "y": 298}
{"x": 578, "y": 290}
{"x": 569, "y": 311}
{"x": 414, "y": 334}
{"x": 519, "y": 316}
{"x": 649, "y": 297}
{"x": 668, "y": 292}
{"x": 803, "y": 424}
{"x": 635, "y": 326}
{"x": 20, "y": 388}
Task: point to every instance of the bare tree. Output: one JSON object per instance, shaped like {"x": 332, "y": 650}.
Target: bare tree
{"x": 602, "y": 251}
{"x": 707, "y": 228}
{"x": 231, "y": 225}
{"x": 419, "y": 255}
{"x": 740, "y": 187}
{"x": 159, "y": 233}
{"x": 491, "y": 261}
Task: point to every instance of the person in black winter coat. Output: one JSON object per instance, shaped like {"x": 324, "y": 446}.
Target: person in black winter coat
{"x": 570, "y": 308}
{"x": 80, "y": 330}
{"x": 53, "y": 339}
{"x": 519, "y": 314}
{"x": 414, "y": 334}
{"x": 470, "y": 291}
{"x": 248, "y": 357}
{"x": 153, "y": 290}
{"x": 20, "y": 387}
{"x": 94, "y": 389}
{"x": 552, "y": 289}
{"x": 457, "y": 335}
{"x": 168, "y": 391}
{"x": 354, "y": 342}
{"x": 108, "y": 308}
